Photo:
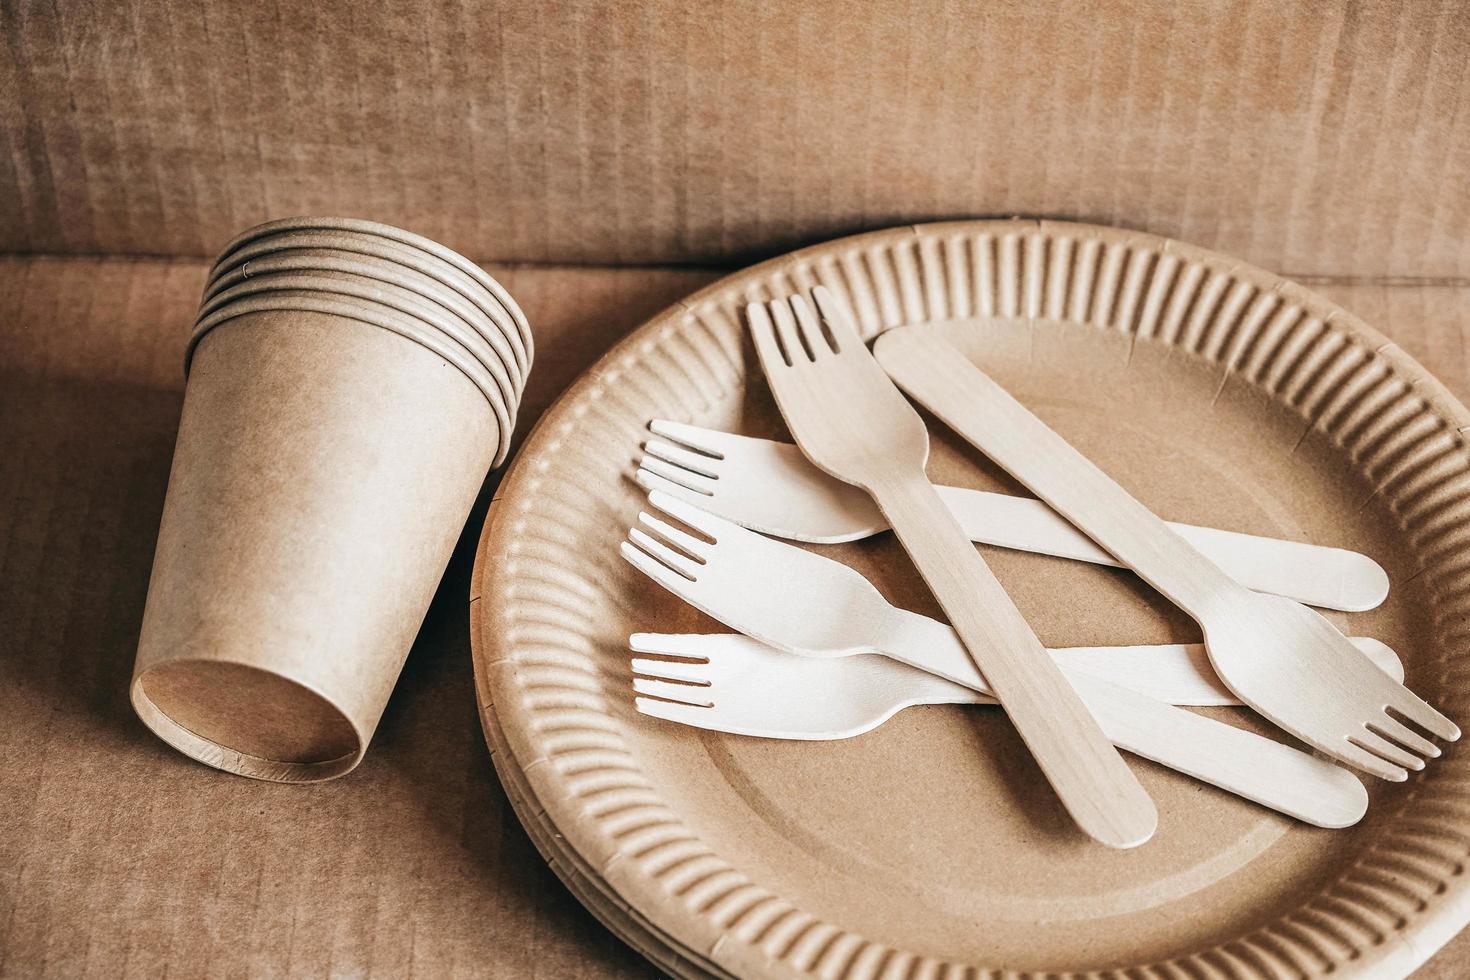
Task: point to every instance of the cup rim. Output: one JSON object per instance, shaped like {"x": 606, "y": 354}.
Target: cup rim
{"x": 382, "y": 230}
{"x": 221, "y": 756}
{"x": 374, "y": 314}
{"x": 351, "y": 263}
{"x": 375, "y": 291}
{"x": 386, "y": 250}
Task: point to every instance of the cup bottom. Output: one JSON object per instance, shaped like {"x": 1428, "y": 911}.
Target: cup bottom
{"x": 246, "y": 720}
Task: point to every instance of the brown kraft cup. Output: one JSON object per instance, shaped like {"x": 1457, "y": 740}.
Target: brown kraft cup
{"x": 323, "y": 471}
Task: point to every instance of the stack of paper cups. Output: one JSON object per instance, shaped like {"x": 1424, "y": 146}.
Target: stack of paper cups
{"x": 349, "y": 386}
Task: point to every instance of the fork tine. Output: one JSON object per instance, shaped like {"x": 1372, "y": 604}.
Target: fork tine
{"x": 811, "y": 328}
{"x": 683, "y": 693}
{"x": 684, "y": 714}
{"x": 695, "y": 437}
{"x": 651, "y": 481}
{"x": 672, "y": 670}
{"x": 667, "y": 644}
{"x": 1423, "y": 714}
{"x": 679, "y": 456}
{"x": 687, "y": 479}
{"x": 839, "y": 322}
{"x": 1379, "y": 745}
{"x": 700, "y": 520}
{"x": 653, "y": 568}
{"x": 684, "y": 544}
{"x": 763, "y": 333}
{"x": 786, "y": 330}
{"x": 1391, "y": 727}
{"x": 1355, "y": 755}
{"x": 662, "y": 553}
{"x": 684, "y": 541}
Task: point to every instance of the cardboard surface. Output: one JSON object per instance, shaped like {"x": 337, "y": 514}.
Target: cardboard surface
{"x": 118, "y": 856}
{"x": 1327, "y": 142}
{"x": 1308, "y": 138}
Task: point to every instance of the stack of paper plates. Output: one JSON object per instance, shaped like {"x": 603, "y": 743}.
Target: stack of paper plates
{"x": 1217, "y": 393}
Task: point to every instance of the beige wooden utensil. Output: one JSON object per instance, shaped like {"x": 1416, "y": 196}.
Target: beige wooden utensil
{"x": 1280, "y": 657}
{"x": 771, "y": 487}
{"x": 739, "y": 685}
{"x": 851, "y": 421}
{"x": 1174, "y": 673}
{"x": 807, "y": 604}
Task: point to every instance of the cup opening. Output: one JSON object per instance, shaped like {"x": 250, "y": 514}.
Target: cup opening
{"x": 496, "y": 303}
{"x": 397, "y": 235}
{"x": 246, "y": 720}
{"x": 319, "y": 261}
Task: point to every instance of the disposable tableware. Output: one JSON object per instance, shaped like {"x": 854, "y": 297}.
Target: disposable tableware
{"x": 851, "y": 421}
{"x": 807, "y": 604}
{"x": 1278, "y": 656}
{"x": 748, "y": 684}
{"x": 771, "y": 487}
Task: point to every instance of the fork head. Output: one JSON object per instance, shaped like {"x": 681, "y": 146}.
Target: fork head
{"x": 1294, "y": 667}
{"x": 776, "y": 592}
{"x": 759, "y": 484}
{"x": 847, "y": 416}
{"x": 732, "y": 683}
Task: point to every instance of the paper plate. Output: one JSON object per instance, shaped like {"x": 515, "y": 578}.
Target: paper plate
{"x": 1217, "y": 393}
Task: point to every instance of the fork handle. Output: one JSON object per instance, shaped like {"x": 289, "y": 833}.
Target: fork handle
{"x": 1241, "y": 762}
{"x": 943, "y": 380}
{"x": 1332, "y": 578}
{"x": 1174, "y": 673}
{"x": 1091, "y": 779}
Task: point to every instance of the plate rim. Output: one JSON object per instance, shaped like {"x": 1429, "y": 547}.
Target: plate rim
{"x": 1427, "y": 912}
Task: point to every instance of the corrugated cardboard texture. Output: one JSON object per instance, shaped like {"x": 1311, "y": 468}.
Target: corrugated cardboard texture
{"x": 1311, "y": 139}
{"x": 119, "y": 856}
{"x": 1317, "y": 140}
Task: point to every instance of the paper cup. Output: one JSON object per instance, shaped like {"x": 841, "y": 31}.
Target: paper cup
{"x": 452, "y": 275}
{"x": 361, "y": 226}
{"x": 374, "y": 290}
{"x": 329, "y": 260}
{"x": 324, "y": 468}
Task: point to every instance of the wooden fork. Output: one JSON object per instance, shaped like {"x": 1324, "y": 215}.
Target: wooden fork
{"x": 732, "y": 683}
{"x": 772, "y": 488}
{"x": 1281, "y": 658}
{"x": 852, "y": 422}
